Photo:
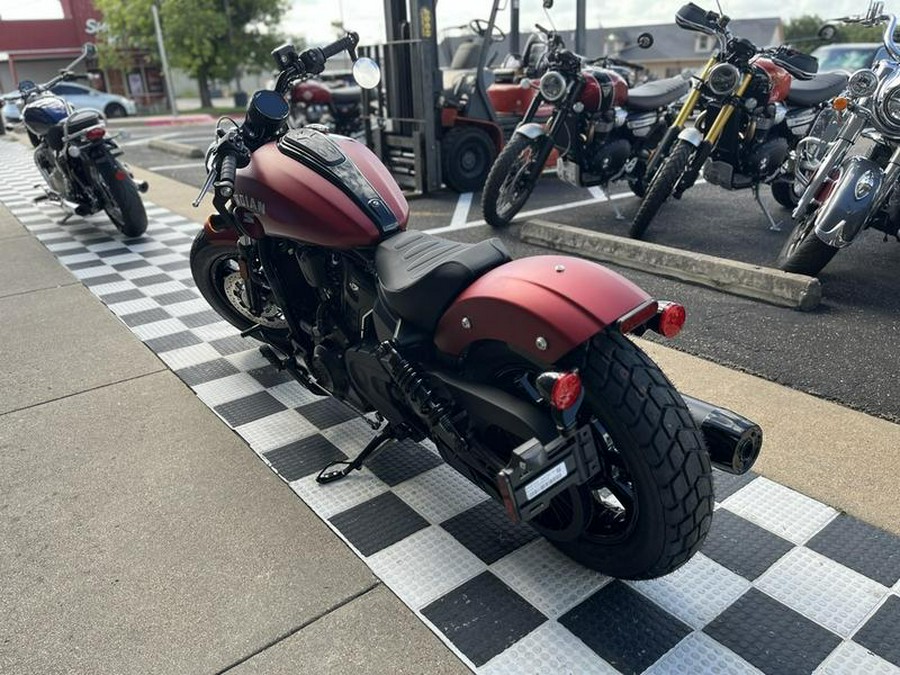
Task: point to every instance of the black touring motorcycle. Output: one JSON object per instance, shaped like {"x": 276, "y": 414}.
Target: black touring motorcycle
{"x": 76, "y": 158}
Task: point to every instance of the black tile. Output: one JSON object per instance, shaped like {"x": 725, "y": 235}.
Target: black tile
{"x": 86, "y": 264}
{"x": 175, "y": 265}
{"x": 122, "y": 296}
{"x": 140, "y": 239}
{"x": 131, "y": 265}
{"x": 105, "y": 279}
{"x": 741, "y": 546}
{"x": 486, "y": 530}
{"x": 112, "y": 252}
{"x": 625, "y": 628}
{"x": 206, "y": 372}
{"x": 203, "y": 318}
{"x": 155, "y": 253}
{"x": 327, "y": 413}
{"x": 174, "y": 341}
{"x": 145, "y": 316}
{"x": 378, "y": 523}
{"x": 483, "y": 617}
{"x": 270, "y": 376}
{"x": 233, "y": 344}
{"x": 726, "y": 484}
{"x": 861, "y": 547}
{"x": 96, "y": 239}
{"x": 401, "y": 461}
{"x": 304, "y": 457}
{"x": 75, "y": 251}
{"x": 175, "y": 241}
{"x": 881, "y": 634}
{"x": 175, "y": 296}
{"x": 771, "y": 636}
{"x": 151, "y": 280}
{"x": 250, "y": 408}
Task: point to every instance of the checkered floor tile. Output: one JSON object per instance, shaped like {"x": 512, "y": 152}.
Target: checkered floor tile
{"x": 784, "y": 584}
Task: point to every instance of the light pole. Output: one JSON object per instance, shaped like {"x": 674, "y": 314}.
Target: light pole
{"x": 165, "y": 61}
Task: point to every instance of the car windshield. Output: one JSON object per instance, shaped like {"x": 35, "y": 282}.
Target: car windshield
{"x": 844, "y": 58}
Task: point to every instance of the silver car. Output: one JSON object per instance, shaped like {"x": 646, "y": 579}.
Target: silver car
{"x": 80, "y": 96}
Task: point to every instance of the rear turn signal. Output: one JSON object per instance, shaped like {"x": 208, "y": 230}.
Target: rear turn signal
{"x": 566, "y": 391}
{"x": 671, "y": 319}
{"x": 95, "y": 134}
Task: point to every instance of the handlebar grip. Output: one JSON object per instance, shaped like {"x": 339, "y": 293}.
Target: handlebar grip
{"x": 541, "y": 28}
{"x": 347, "y": 42}
{"x": 227, "y": 173}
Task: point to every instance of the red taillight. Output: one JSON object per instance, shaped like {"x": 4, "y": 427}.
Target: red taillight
{"x": 671, "y": 320}
{"x": 566, "y": 391}
{"x": 95, "y": 134}
{"x": 121, "y": 175}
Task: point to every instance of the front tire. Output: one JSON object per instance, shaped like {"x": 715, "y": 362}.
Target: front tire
{"x": 122, "y": 202}
{"x": 512, "y": 180}
{"x": 661, "y": 188}
{"x": 466, "y": 157}
{"x": 783, "y": 192}
{"x": 804, "y": 252}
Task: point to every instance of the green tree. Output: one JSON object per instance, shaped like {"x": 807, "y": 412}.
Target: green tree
{"x": 206, "y": 38}
{"x": 802, "y": 33}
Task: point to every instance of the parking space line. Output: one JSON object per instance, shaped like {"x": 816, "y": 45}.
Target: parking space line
{"x": 461, "y": 212}
{"x": 145, "y": 141}
{"x": 172, "y": 167}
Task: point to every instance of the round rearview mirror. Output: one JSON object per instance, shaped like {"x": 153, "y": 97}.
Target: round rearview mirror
{"x": 548, "y": 4}
{"x": 827, "y": 32}
{"x": 366, "y": 73}
{"x": 90, "y": 49}
{"x": 645, "y": 40}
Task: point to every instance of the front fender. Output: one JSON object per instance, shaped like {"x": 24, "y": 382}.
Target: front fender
{"x": 542, "y": 306}
{"x": 692, "y": 135}
{"x": 851, "y": 203}
{"x": 531, "y": 130}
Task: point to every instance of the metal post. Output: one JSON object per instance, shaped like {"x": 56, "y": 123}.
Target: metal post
{"x": 580, "y": 21}
{"x": 514, "y": 27}
{"x": 165, "y": 61}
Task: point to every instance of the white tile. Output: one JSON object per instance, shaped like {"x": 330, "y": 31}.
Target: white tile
{"x": 425, "y": 566}
{"x": 248, "y": 360}
{"x": 852, "y": 659}
{"x": 185, "y": 357}
{"x": 167, "y": 287}
{"x": 440, "y": 493}
{"x": 549, "y": 649}
{"x": 132, "y": 306}
{"x": 699, "y": 654}
{"x": 148, "y": 331}
{"x": 187, "y": 307}
{"x": 350, "y": 437}
{"x": 214, "y": 331}
{"x": 78, "y": 258}
{"x": 138, "y": 272}
{"x": 275, "y": 430}
{"x": 333, "y": 498}
{"x": 229, "y": 388}
{"x": 115, "y": 287}
{"x": 89, "y": 272}
{"x": 781, "y": 510}
{"x": 697, "y": 592}
{"x": 293, "y": 394}
{"x": 546, "y": 578}
{"x": 822, "y": 589}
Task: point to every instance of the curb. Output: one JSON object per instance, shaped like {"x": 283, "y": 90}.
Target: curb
{"x": 175, "y": 148}
{"x": 750, "y": 281}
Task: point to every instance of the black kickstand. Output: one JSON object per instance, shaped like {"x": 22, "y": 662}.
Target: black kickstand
{"x": 329, "y": 475}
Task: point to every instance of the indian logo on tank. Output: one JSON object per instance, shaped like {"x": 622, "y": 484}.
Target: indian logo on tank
{"x": 249, "y": 203}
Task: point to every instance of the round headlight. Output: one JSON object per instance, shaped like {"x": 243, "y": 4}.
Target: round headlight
{"x": 553, "y": 85}
{"x": 862, "y": 83}
{"x": 891, "y": 106}
{"x": 723, "y": 79}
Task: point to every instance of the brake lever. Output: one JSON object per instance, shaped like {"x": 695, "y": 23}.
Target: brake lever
{"x": 210, "y": 179}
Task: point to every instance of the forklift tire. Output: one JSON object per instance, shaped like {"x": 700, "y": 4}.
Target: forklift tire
{"x": 467, "y": 154}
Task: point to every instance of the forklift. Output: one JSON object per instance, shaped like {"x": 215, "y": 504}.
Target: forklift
{"x": 434, "y": 127}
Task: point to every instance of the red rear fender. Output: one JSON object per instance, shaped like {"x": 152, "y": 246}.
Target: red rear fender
{"x": 561, "y": 299}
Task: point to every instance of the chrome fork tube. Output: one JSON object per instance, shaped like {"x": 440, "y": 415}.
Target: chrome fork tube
{"x": 850, "y": 131}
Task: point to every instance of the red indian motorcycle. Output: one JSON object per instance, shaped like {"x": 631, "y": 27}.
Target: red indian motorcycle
{"x": 338, "y": 108}
{"x": 519, "y": 371}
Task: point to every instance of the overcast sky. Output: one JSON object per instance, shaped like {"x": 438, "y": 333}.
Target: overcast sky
{"x": 312, "y": 18}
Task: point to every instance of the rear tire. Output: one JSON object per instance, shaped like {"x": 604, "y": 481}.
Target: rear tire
{"x": 783, "y": 192}
{"x": 661, "y": 188}
{"x": 511, "y": 181}
{"x": 466, "y": 157}
{"x": 804, "y": 252}
{"x": 115, "y": 110}
{"x": 123, "y": 203}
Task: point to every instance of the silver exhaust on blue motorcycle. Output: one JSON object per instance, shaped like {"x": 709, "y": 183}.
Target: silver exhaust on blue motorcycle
{"x": 733, "y": 441}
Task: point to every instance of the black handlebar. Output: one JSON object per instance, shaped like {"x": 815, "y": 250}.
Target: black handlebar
{"x": 348, "y": 42}
{"x": 226, "y": 174}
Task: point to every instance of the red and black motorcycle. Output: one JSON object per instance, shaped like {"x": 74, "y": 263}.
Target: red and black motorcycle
{"x": 520, "y": 371}
{"x": 339, "y": 108}
{"x": 602, "y": 130}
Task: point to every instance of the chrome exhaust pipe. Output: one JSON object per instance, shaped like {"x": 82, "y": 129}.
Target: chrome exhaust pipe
{"x": 733, "y": 441}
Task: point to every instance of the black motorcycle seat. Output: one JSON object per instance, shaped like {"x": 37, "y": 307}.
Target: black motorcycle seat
{"x": 817, "y": 90}
{"x": 657, "y": 94}
{"x": 420, "y": 274}
{"x": 346, "y": 94}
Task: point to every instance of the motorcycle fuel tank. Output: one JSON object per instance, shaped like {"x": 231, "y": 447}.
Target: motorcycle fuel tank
{"x": 321, "y": 189}
{"x": 779, "y": 79}
{"x": 603, "y": 90}
{"x": 43, "y": 113}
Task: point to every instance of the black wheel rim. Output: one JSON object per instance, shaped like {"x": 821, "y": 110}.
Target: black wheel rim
{"x": 799, "y": 235}
{"x": 226, "y": 279}
{"x": 111, "y": 204}
{"x": 472, "y": 161}
{"x": 517, "y": 184}
{"x": 613, "y": 494}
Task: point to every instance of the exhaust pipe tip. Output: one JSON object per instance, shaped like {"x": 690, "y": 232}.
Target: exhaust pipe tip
{"x": 733, "y": 441}
{"x": 142, "y": 186}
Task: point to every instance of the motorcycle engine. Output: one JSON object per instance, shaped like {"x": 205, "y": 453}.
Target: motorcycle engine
{"x": 764, "y": 160}
{"x": 55, "y": 177}
{"x": 607, "y": 159}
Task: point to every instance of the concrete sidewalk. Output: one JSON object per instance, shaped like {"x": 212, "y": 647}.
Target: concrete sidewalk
{"x": 140, "y": 533}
